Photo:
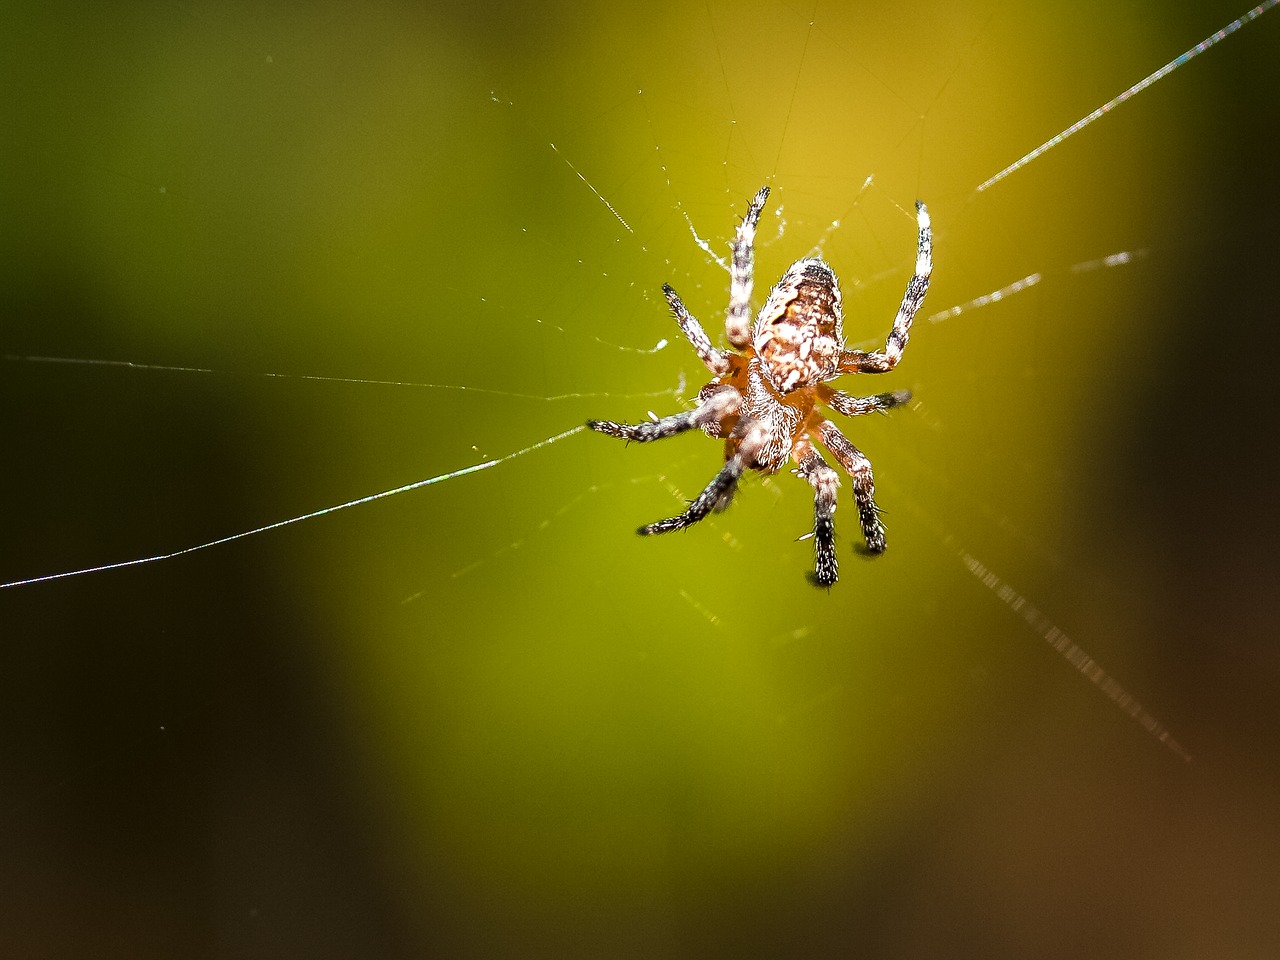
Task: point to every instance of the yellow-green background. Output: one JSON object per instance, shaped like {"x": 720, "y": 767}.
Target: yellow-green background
{"x": 486, "y": 720}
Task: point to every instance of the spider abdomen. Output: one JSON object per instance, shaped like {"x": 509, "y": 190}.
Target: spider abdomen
{"x": 799, "y": 333}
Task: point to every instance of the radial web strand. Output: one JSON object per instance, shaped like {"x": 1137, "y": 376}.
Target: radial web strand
{"x": 417, "y": 484}
{"x": 1137, "y": 88}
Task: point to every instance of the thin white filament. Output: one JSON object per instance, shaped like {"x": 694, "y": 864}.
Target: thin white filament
{"x": 359, "y": 381}
{"x": 1069, "y": 651}
{"x": 439, "y": 478}
{"x": 1030, "y": 280}
{"x": 1137, "y": 88}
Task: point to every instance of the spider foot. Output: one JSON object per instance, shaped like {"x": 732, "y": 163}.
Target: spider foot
{"x": 647, "y": 430}
{"x": 607, "y": 427}
{"x": 826, "y": 568}
{"x": 824, "y": 574}
{"x": 869, "y": 519}
{"x": 691, "y": 516}
{"x": 873, "y": 535}
{"x": 697, "y": 510}
{"x": 894, "y": 398}
{"x": 819, "y": 581}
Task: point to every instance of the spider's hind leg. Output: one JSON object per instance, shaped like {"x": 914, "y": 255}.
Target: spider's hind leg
{"x": 825, "y": 483}
{"x": 858, "y": 467}
{"x": 720, "y": 489}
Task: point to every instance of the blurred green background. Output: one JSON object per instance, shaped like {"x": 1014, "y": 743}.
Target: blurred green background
{"x": 486, "y": 720}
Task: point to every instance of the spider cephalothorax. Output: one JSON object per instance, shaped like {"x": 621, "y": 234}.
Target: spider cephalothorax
{"x": 763, "y": 400}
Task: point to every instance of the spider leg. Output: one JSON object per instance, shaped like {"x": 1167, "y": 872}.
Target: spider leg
{"x": 737, "y": 324}
{"x": 852, "y": 406}
{"x": 714, "y": 407}
{"x": 716, "y": 361}
{"x": 858, "y": 467}
{"x": 856, "y": 361}
{"x": 825, "y": 483}
{"x": 725, "y": 500}
{"x": 720, "y": 487}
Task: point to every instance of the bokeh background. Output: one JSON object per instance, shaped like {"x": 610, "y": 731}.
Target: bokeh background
{"x": 484, "y": 719}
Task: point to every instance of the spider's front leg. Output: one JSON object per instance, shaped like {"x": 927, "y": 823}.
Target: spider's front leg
{"x": 855, "y": 361}
{"x": 737, "y": 323}
{"x": 858, "y": 467}
{"x": 715, "y": 360}
{"x": 753, "y": 437}
{"x": 715, "y": 406}
{"x": 825, "y": 483}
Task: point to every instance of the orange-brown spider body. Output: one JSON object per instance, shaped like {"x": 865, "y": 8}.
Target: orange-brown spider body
{"x": 764, "y": 399}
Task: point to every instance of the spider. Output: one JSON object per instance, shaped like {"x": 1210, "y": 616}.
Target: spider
{"x": 764, "y": 399}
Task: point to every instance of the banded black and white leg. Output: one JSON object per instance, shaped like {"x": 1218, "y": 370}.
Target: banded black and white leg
{"x": 715, "y": 405}
{"x": 855, "y": 463}
{"x": 825, "y": 482}
{"x": 714, "y": 359}
{"x": 737, "y": 322}
{"x": 857, "y": 361}
{"x": 852, "y": 406}
{"x": 752, "y": 436}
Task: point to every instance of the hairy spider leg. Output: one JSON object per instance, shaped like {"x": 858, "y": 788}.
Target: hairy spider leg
{"x": 858, "y": 467}
{"x": 852, "y": 406}
{"x": 721, "y": 486}
{"x": 737, "y": 323}
{"x": 722, "y": 402}
{"x": 716, "y": 361}
{"x": 825, "y": 482}
{"x": 856, "y": 361}
{"x": 726, "y": 499}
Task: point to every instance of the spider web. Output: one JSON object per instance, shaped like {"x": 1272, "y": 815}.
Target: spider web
{"x": 281, "y": 264}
